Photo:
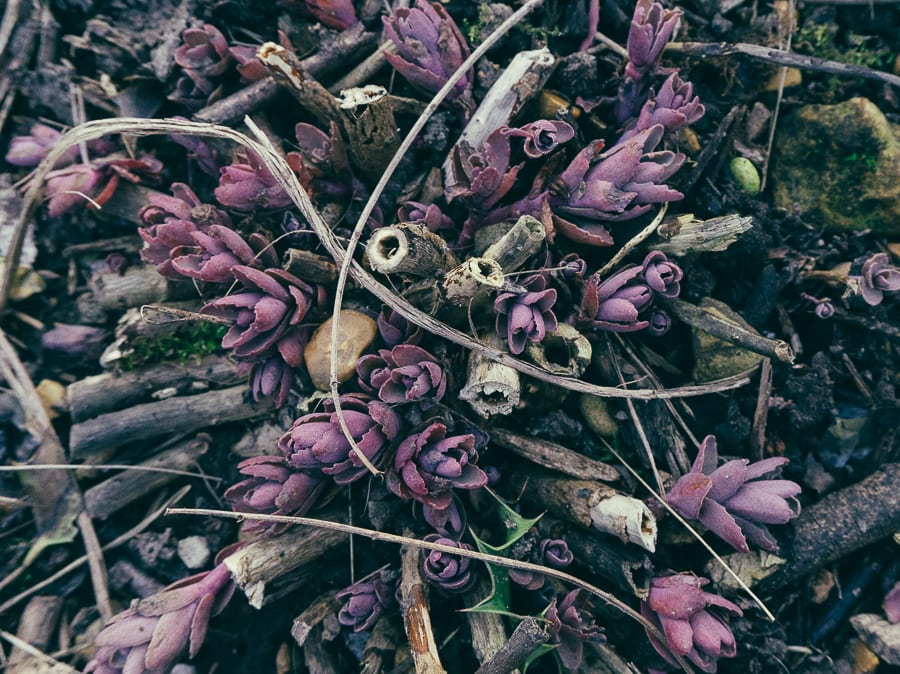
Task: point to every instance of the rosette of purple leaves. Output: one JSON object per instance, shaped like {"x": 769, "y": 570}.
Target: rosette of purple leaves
{"x": 429, "y": 464}
{"x": 526, "y": 314}
{"x": 249, "y": 185}
{"x": 619, "y": 184}
{"x": 217, "y": 251}
{"x": 571, "y": 624}
{"x": 363, "y": 603}
{"x": 678, "y": 605}
{"x": 405, "y": 373}
{"x": 879, "y": 276}
{"x": 316, "y": 442}
{"x": 674, "y": 107}
{"x": 394, "y": 328}
{"x": 447, "y": 571}
{"x": 155, "y": 632}
{"x": 430, "y": 48}
{"x": 551, "y": 552}
{"x": 29, "y": 150}
{"x": 735, "y": 501}
{"x": 205, "y": 57}
{"x": 272, "y": 487}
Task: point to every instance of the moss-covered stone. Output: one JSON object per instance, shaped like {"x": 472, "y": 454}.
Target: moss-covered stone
{"x": 840, "y": 165}
{"x": 716, "y": 358}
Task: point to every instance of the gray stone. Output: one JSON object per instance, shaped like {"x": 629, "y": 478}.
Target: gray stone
{"x": 840, "y": 166}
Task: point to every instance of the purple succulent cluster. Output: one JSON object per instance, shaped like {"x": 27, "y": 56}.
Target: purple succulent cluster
{"x": 248, "y": 185}
{"x": 677, "y": 605}
{"x": 735, "y": 500}
{"x": 155, "y": 632}
{"x": 447, "y": 571}
{"x": 526, "y": 313}
{"x": 622, "y": 302}
{"x": 674, "y": 107}
{"x": 571, "y": 624}
{"x": 363, "y": 603}
{"x": 316, "y": 444}
{"x": 430, "y": 48}
{"x": 428, "y": 465}
{"x": 552, "y": 552}
{"x": 30, "y": 150}
{"x": 406, "y": 373}
{"x": 394, "y": 328}
{"x": 878, "y": 277}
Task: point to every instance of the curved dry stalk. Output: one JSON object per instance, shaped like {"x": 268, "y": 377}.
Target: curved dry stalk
{"x": 111, "y": 466}
{"x": 659, "y": 497}
{"x": 378, "y": 190}
{"x": 497, "y": 560}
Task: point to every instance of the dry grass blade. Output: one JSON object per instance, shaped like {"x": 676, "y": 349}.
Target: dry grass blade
{"x": 506, "y": 562}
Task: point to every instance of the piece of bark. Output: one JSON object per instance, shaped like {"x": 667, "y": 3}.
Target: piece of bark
{"x": 383, "y": 640}
{"x": 318, "y": 658}
{"x": 36, "y": 627}
{"x": 416, "y": 616}
{"x": 139, "y": 285}
{"x": 126, "y": 578}
{"x": 563, "y": 351}
{"x": 520, "y": 242}
{"x": 409, "y": 248}
{"x": 592, "y": 505}
{"x": 491, "y": 388}
{"x": 269, "y": 568}
{"x": 553, "y": 456}
{"x": 487, "y": 631}
{"x": 113, "y": 494}
{"x": 685, "y": 234}
{"x": 627, "y": 566}
{"x": 881, "y": 636}
{"x": 324, "y": 605}
{"x": 310, "y": 266}
{"x": 472, "y": 281}
{"x": 173, "y": 416}
{"x": 528, "y": 635}
{"x": 97, "y": 394}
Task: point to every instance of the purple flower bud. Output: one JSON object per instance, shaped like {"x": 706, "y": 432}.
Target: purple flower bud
{"x": 659, "y": 323}
{"x": 363, "y": 603}
{"x": 733, "y": 501}
{"x": 879, "y": 276}
{"x": 155, "y": 632}
{"x": 30, "y": 150}
{"x": 72, "y": 339}
{"x": 449, "y": 522}
{"x": 571, "y": 624}
{"x": 273, "y": 303}
{"x": 824, "y": 309}
{"x": 662, "y": 275}
{"x": 430, "y": 48}
{"x": 338, "y": 14}
{"x": 651, "y": 27}
{"x": 542, "y": 136}
{"x": 205, "y": 57}
{"x": 272, "y": 487}
{"x": 448, "y": 571}
{"x": 483, "y": 175}
{"x": 249, "y": 185}
{"x": 615, "y": 304}
{"x": 395, "y": 329}
{"x": 317, "y": 443}
{"x": 71, "y": 186}
{"x": 677, "y": 605}
{"x": 673, "y": 107}
{"x": 431, "y": 215}
{"x": 402, "y": 374}
{"x": 892, "y": 604}
{"x": 526, "y": 316}
{"x": 529, "y": 580}
{"x": 428, "y": 465}
{"x": 555, "y": 552}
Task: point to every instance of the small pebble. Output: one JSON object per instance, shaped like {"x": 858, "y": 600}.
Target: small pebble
{"x": 745, "y": 174}
{"x": 193, "y": 551}
{"x": 357, "y": 332}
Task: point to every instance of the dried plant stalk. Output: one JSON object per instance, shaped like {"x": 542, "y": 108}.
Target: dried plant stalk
{"x": 409, "y": 248}
{"x": 416, "y": 615}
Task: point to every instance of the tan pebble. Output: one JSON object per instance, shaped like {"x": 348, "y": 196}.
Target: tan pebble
{"x": 792, "y": 78}
{"x": 357, "y": 332}
{"x": 53, "y": 396}
{"x": 894, "y": 249}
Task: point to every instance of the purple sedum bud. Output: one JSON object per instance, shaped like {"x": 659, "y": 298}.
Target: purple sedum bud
{"x": 662, "y": 275}
{"x": 616, "y": 303}
{"x": 429, "y": 464}
{"x": 549, "y": 552}
{"x": 678, "y": 605}
{"x": 449, "y": 572}
{"x": 734, "y": 501}
{"x": 272, "y": 487}
{"x": 555, "y": 552}
{"x": 316, "y": 442}
{"x": 338, "y": 14}
{"x": 405, "y": 373}
{"x": 395, "y": 328}
{"x": 674, "y": 107}
{"x": 430, "y": 47}
{"x": 892, "y": 604}
{"x": 431, "y": 215}
{"x": 266, "y": 315}
{"x": 273, "y": 376}
{"x": 652, "y": 25}
{"x": 526, "y": 316}
{"x": 363, "y": 603}
{"x": 72, "y": 339}
{"x": 219, "y": 249}
{"x": 68, "y": 187}
{"x": 542, "y": 136}
{"x": 249, "y": 185}
{"x": 155, "y": 632}
{"x": 824, "y": 309}
{"x": 619, "y": 184}
{"x": 571, "y": 624}
{"x": 660, "y": 323}
{"x": 449, "y": 522}
{"x": 31, "y": 149}
{"x": 879, "y": 276}
{"x": 205, "y": 57}
{"x": 483, "y": 175}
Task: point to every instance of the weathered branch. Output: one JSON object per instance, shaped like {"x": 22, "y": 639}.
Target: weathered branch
{"x": 528, "y": 635}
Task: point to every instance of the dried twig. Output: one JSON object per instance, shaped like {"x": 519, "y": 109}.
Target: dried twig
{"x": 94, "y": 554}
{"x": 416, "y": 613}
{"x": 527, "y": 636}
